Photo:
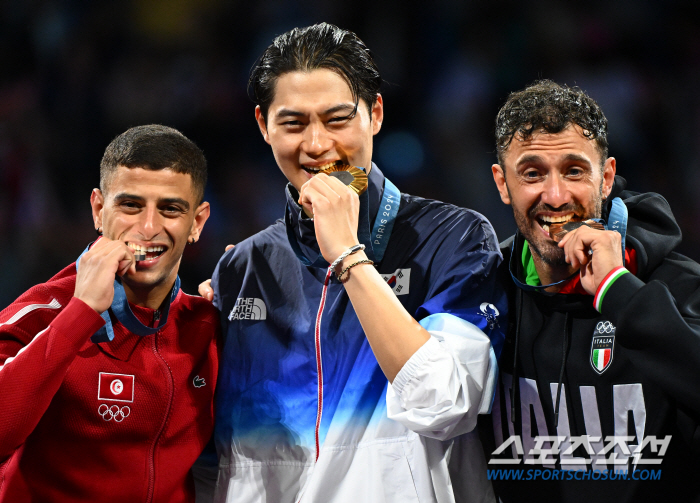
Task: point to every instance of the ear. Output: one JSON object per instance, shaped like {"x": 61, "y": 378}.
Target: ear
{"x": 201, "y": 215}
{"x": 609, "y": 170}
{"x": 97, "y": 202}
{"x": 261, "y": 124}
{"x": 377, "y": 114}
{"x": 500, "y": 178}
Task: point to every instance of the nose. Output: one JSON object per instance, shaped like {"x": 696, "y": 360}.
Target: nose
{"x": 316, "y": 139}
{"x": 556, "y": 192}
{"x": 150, "y": 223}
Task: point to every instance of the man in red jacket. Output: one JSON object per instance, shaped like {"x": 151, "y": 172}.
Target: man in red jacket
{"x": 108, "y": 370}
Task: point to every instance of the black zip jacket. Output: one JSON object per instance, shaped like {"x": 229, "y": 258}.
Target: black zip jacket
{"x": 632, "y": 371}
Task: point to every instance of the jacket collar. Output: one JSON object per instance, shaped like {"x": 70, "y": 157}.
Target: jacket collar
{"x": 124, "y": 343}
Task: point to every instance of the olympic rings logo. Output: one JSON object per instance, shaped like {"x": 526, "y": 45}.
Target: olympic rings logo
{"x": 605, "y": 327}
{"x": 114, "y": 412}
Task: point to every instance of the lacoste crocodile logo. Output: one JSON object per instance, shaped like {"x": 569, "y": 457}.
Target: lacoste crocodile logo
{"x": 198, "y": 382}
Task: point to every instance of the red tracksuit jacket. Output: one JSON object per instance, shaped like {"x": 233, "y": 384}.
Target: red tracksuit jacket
{"x": 119, "y": 421}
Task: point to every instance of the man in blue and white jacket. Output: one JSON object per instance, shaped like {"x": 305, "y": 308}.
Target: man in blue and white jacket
{"x": 359, "y": 381}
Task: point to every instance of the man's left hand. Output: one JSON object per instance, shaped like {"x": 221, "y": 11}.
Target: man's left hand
{"x": 606, "y": 248}
{"x": 335, "y": 209}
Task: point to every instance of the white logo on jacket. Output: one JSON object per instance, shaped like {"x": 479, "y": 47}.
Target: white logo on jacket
{"x": 490, "y": 312}
{"x": 248, "y": 308}
{"x": 399, "y": 281}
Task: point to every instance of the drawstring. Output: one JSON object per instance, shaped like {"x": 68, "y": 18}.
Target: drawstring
{"x": 515, "y": 388}
{"x": 561, "y": 371}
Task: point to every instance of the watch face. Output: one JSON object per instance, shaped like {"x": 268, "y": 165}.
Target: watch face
{"x": 351, "y": 176}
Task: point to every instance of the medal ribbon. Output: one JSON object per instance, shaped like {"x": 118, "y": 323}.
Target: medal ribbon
{"x": 122, "y": 311}
{"x": 376, "y": 243}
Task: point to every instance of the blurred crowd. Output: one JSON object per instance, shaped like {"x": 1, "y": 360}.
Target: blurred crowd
{"x": 74, "y": 74}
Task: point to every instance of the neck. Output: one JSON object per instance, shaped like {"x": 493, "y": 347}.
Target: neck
{"x": 151, "y": 298}
{"x": 551, "y": 273}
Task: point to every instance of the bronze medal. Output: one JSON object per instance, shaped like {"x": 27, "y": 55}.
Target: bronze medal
{"x": 558, "y": 231}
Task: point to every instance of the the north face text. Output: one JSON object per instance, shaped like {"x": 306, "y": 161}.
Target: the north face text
{"x": 248, "y": 308}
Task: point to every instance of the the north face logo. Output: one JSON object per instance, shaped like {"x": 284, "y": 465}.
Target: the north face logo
{"x": 248, "y": 308}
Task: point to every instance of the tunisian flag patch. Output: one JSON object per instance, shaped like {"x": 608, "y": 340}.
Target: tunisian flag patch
{"x": 116, "y": 387}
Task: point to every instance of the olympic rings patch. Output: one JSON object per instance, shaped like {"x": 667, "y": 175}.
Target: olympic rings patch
{"x": 114, "y": 412}
{"x": 605, "y": 327}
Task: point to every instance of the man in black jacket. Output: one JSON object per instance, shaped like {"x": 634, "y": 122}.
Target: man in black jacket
{"x": 603, "y": 337}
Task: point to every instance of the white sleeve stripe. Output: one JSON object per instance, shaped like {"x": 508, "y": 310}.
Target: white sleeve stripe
{"x": 25, "y": 347}
{"x": 28, "y": 309}
{"x": 490, "y": 385}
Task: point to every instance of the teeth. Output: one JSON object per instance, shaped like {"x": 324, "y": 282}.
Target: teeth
{"x": 144, "y": 249}
{"x": 555, "y": 219}
{"x": 545, "y": 227}
{"x": 316, "y": 169}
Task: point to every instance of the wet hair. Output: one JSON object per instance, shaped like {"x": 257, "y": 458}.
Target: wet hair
{"x": 319, "y": 46}
{"x": 546, "y": 106}
{"x": 155, "y": 147}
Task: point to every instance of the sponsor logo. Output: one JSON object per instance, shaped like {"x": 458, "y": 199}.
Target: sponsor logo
{"x": 602, "y": 346}
{"x": 109, "y": 412}
{"x": 399, "y": 281}
{"x": 115, "y": 387}
{"x": 248, "y": 308}
{"x": 491, "y": 314}
{"x": 198, "y": 382}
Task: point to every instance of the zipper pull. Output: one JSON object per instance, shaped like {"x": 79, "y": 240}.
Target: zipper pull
{"x": 156, "y": 318}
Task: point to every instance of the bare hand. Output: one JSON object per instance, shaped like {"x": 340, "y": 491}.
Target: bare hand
{"x": 606, "y": 247}
{"x": 94, "y": 283}
{"x": 205, "y": 289}
{"x": 336, "y": 210}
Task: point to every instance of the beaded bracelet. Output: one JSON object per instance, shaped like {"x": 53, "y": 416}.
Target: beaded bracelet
{"x": 364, "y": 261}
{"x": 346, "y": 253}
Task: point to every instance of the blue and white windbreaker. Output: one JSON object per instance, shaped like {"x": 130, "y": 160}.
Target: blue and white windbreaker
{"x": 313, "y": 419}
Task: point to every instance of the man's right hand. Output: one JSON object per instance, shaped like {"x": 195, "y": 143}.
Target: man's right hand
{"x": 98, "y": 267}
{"x": 205, "y": 289}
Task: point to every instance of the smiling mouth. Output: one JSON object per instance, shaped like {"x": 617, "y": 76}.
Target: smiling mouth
{"x": 143, "y": 253}
{"x": 545, "y": 221}
{"x": 315, "y": 170}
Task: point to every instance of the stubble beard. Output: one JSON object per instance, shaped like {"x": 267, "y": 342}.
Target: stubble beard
{"x": 546, "y": 249}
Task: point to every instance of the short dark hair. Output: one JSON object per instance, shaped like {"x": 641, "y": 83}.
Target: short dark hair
{"x": 319, "y": 46}
{"x": 155, "y": 147}
{"x": 550, "y": 107}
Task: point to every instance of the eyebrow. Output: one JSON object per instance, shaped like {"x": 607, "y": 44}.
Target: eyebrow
{"x": 288, "y": 112}
{"x": 165, "y": 200}
{"x": 535, "y": 159}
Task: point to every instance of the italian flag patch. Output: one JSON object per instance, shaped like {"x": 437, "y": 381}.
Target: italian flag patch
{"x": 601, "y": 358}
{"x": 602, "y": 346}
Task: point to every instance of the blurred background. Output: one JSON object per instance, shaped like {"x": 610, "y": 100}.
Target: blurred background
{"x": 74, "y": 74}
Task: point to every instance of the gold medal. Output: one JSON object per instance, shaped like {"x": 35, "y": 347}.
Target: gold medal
{"x": 351, "y": 176}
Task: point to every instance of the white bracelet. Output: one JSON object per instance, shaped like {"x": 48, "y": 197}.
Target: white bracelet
{"x": 346, "y": 253}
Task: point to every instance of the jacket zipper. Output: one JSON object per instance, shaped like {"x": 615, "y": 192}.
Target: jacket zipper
{"x": 319, "y": 361}
{"x": 152, "y": 450}
{"x": 319, "y": 372}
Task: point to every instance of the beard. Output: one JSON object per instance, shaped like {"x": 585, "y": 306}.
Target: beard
{"x": 545, "y": 248}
